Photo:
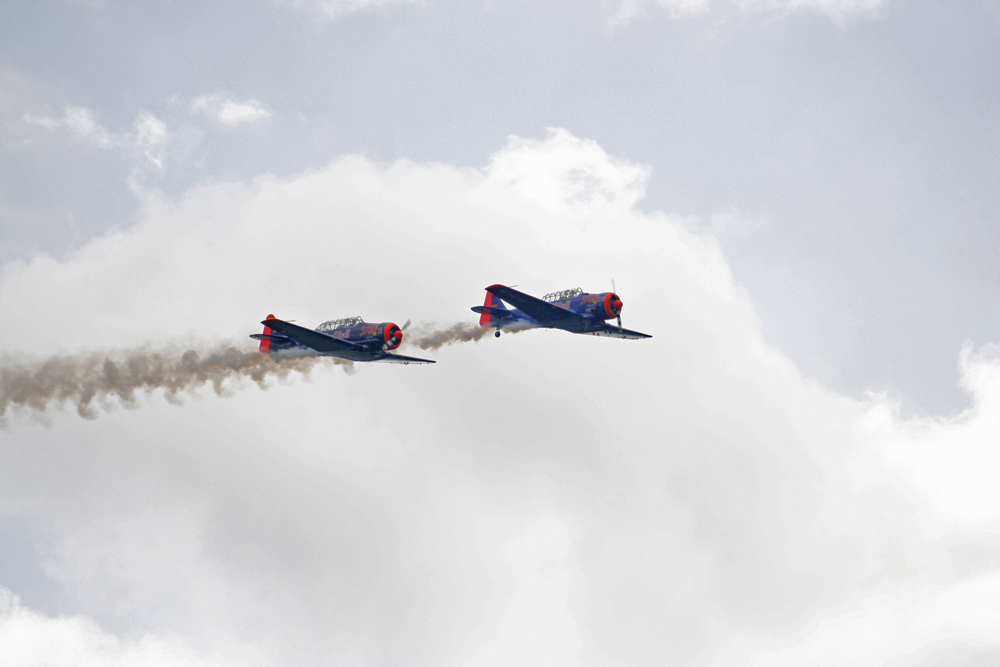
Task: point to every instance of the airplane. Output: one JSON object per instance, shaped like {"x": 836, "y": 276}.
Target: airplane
{"x": 348, "y": 338}
{"x": 571, "y": 310}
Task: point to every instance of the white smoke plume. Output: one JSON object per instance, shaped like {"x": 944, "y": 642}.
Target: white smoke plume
{"x": 433, "y": 339}
{"x": 461, "y": 332}
{"x": 93, "y": 379}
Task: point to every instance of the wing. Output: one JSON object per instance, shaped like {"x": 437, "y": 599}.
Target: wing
{"x": 403, "y": 359}
{"x": 542, "y": 311}
{"x": 615, "y": 332}
{"x": 315, "y": 339}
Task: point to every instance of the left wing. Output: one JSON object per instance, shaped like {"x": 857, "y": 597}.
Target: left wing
{"x": 542, "y": 311}
{"x": 338, "y": 347}
{"x": 315, "y": 339}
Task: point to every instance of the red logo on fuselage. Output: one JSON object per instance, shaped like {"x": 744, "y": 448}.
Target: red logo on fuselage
{"x": 590, "y": 298}
{"x": 369, "y": 329}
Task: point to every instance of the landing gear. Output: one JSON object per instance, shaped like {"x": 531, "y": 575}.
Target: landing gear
{"x": 497, "y": 334}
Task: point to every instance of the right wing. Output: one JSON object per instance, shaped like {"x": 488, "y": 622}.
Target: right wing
{"x": 403, "y": 359}
{"x": 317, "y": 340}
{"x": 615, "y": 332}
{"x": 542, "y": 311}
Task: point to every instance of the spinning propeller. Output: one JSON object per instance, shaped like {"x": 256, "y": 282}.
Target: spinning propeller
{"x": 618, "y": 303}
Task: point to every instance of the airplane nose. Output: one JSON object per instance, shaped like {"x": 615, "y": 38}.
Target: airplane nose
{"x": 398, "y": 335}
{"x": 618, "y": 305}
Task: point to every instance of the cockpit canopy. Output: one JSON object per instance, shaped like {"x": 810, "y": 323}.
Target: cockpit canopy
{"x": 342, "y": 323}
{"x": 562, "y": 295}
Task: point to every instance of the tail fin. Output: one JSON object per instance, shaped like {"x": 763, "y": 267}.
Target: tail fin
{"x": 493, "y": 303}
{"x": 265, "y": 343}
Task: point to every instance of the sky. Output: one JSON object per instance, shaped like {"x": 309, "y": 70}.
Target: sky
{"x": 795, "y": 197}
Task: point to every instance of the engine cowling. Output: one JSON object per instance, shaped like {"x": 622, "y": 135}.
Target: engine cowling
{"x": 612, "y": 305}
{"x": 392, "y": 335}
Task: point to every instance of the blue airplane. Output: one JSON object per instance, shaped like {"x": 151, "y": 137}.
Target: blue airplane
{"x": 348, "y": 338}
{"x": 571, "y": 310}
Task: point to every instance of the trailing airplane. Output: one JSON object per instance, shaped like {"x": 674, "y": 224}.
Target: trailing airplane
{"x": 572, "y": 310}
{"x": 348, "y": 338}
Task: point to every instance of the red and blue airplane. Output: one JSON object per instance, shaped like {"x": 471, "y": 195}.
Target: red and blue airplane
{"x": 349, "y": 338}
{"x": 571, "y": 310}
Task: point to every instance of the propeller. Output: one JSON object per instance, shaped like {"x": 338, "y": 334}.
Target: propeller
{"x": 614, "y": 290}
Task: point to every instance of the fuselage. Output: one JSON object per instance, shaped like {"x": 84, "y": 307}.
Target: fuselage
{"x": 377, "y": 337}
{"x": 597, "y": 308}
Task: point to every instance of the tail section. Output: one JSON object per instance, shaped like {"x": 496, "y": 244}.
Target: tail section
{"x": 492, "y": 309}
{"x": 265, "y": 342}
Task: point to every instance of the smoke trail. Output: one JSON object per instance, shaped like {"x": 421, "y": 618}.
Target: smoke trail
{"x": 86, "y": 379}
{"x": 462, "y": 332}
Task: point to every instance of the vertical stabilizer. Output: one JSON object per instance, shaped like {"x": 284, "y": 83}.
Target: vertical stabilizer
{"x": 486, "y": 318}
{"x": 265, "y": 343}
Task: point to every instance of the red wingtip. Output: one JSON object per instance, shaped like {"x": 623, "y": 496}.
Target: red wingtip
{"x": 492, "y": 286}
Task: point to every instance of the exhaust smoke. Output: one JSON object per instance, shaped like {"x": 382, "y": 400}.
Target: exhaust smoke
{"x": 92, "y": 380}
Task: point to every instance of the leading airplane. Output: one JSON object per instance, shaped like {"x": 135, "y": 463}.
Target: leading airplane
{"x": 571, "y": 310}
{"x": 348, "y": 338}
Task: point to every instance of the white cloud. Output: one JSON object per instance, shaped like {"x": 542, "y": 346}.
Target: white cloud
{"x": 30, "y": 639}
{"x": 81, "y": 122}
{"x": 954, "y": 461}
{"x": 231, "y": 112}
{"x": 689, "y": 499}
{"x": 335, "y": 8}
{"x": 622, "y": 12}
{"x": 150, "y": 136}
{"x": 564, "y": 171}
{"x": 147, "y": 139}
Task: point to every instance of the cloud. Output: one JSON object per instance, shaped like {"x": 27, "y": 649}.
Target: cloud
{"x": 231, "y": 112}
{"x": 545, "y": 498}
{"x": 30, "y": 639}
{"x": 336, "y": 8}
{"x": 81, "y": 122}
{"x": 147, "y": 139}
{"x": 622, "y": 12}
{"x": 564, "y": 171}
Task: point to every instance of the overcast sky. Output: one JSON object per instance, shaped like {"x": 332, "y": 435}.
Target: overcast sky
{"x": 797, "y": 198}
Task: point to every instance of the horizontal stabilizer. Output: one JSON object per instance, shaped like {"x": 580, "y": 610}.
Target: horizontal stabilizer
{"x": 272, "y": 338}
{"x": 498, "y": 313}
